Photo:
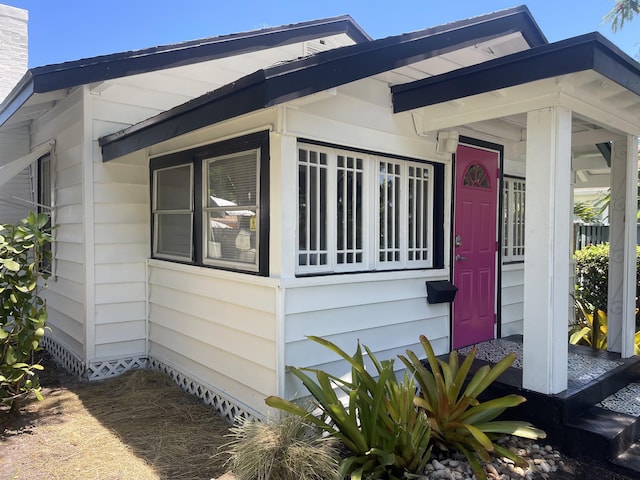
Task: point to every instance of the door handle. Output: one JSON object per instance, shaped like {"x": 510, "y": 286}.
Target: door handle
{"x": 460, "y": 258}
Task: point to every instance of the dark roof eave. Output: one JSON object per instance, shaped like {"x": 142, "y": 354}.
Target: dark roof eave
{"x": 244, "y": 96}
{"x": 17, "y": 97}
{"x": 317, "y": 73}
{"x": 66, "y": 75}
{"x": 85, "y": 71}
{"x": 586, "y": 52}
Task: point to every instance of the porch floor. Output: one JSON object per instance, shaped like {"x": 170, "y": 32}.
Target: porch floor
{"x": 597, "y": 417}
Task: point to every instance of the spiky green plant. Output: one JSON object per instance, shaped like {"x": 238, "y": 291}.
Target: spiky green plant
{"x": 288, "y": 448}
{"x": 388, "y": 437}
{"x": 459, "y": 421}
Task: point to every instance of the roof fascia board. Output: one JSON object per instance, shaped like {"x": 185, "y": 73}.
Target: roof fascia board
{"x": 586, "y": 52}
{"x": 17, "y": 97}
{"x": 314, "y": 74}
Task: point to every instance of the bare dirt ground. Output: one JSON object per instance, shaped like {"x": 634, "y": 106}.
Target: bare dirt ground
{"x": 137, "y": 426}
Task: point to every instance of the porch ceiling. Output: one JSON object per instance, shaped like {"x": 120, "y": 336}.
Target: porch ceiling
{"x": 588, "y": 75}
{"x": 603, "y": 109}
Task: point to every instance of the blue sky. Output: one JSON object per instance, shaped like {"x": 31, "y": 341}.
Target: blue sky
{"x": 64, "y": 30}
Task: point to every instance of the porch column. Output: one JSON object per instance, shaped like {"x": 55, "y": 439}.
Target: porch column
{"x": 547, "y": 233}
{"x": 622, "y": 246}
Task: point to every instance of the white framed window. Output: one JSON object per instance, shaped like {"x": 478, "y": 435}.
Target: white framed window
{"x": 514, "y": 193}
{"x": 173, "y": 212}
{"x": 361, "y": 212}
{"x": 231, "y": 210}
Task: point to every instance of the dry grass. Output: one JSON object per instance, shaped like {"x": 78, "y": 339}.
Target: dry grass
{"x": 136, "y": 426}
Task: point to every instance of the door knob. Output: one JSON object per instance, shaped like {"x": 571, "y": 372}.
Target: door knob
{"x": 460, "y": 258}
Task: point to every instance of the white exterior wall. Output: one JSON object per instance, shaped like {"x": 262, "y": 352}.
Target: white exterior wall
{"x": 66, "y": 292}
{"x": 512, "y": 299}
{"x": 119, "y": 212}
{"x": 118, "y": 243}
{"x": 217, "y": 328}
{"x": 13, "y": 145}
{"x": 387, "y": 311}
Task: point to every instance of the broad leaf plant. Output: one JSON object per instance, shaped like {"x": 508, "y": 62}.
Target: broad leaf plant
{"x": 23, "y": 313}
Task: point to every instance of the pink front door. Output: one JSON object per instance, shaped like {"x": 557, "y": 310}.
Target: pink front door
{"x": 475, "y": 245}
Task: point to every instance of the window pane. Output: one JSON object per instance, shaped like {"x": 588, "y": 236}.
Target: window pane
{"x": 514, "y": 212}
{"x": 389, "y": 212}
{"x": 173, "y": 234}
{"x": 232, "y": 180}
{"x": 349, "y": 210}
{"x": 312, "y": 208}
{"x": 418, "y": 209}
{"x": 173, "y": 188}
{"x": 232, "y": 208}
{"x": 44, "y": 206}
{"x": 232, "y": 236}
{"x": 173, "y": 225}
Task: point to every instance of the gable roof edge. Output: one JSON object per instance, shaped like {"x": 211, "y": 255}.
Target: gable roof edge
{"x": 70, "y": 74}
{"x": 281, "y": 83}
{"x": 590, "y": 51}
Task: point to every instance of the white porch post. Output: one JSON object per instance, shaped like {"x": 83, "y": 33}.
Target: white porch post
{"x": 622, "y": 246}
{"x": 547, "y": 233}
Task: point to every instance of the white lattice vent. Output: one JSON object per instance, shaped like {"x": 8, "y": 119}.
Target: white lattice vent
{"x": 113, "y": 368}
{"x": 223, "y": 405}
{"x": 63, "y": 356}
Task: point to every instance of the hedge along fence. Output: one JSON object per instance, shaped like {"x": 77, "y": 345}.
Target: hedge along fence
{"x": 24, "y": 251}
{"x": 592, "y": 276}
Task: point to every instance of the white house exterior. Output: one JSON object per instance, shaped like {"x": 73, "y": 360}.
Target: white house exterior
{"x": 219, "y": 201}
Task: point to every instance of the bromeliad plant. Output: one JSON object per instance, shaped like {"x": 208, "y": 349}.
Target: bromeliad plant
{"x": 591, "y": 327}
{"x": 388, "y": 437}
{"x": 459, "y": 421}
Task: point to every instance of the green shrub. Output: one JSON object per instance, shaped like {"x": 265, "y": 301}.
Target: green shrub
{"x": 388, "y": 437}
{"x": 287, "y": 449}
{"x": 459, "y": 421}
{"x": 23, "y": 313}
{"x": 592, "y": 275}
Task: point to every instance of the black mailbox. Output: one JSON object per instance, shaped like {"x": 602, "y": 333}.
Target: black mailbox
{"x": 440, "y": 291}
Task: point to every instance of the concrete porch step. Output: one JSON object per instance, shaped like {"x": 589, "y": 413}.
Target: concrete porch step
{"x": 629, "y": 460}
{"x": 609, "y": 431}
{"x": 600, "y": 434}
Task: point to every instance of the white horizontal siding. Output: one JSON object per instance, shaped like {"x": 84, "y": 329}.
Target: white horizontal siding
{"x": 121, "y": 249}
{"x": 218, "y": 326}
{"x": 129, "y": 311}
{"x": 388, "y": 316}
{"x": 12, "y": 209}
{"x": 512, "y": 299}
{"x": 66, "y": 292}
{"x": 360, "y": 115}
{"x": 121, "y": 349}
{"x": 14, "y": 144}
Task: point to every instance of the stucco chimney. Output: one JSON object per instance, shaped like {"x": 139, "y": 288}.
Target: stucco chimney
{"x": 14, "y": 55}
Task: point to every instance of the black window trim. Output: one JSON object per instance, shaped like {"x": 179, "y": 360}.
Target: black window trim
{"x": 256, "y": 141}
